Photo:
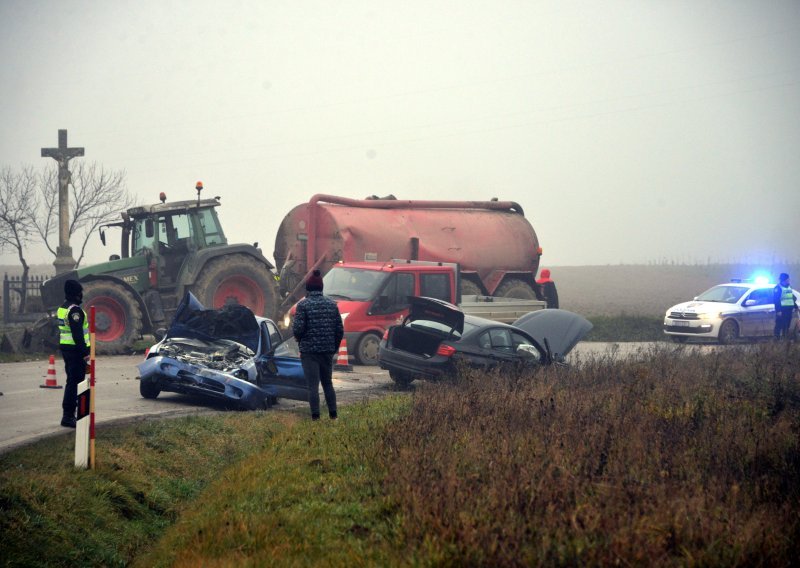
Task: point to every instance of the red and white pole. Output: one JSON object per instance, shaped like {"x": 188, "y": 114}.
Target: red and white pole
{"x": 84, "y": 429}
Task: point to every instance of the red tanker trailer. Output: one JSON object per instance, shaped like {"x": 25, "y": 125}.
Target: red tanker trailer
{"x": 494, "y": 245}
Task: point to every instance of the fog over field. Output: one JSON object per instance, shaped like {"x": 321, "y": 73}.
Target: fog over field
{"x": 629, "y": 132}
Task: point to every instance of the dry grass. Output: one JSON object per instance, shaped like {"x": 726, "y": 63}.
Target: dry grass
{"x": 690, "y": 461}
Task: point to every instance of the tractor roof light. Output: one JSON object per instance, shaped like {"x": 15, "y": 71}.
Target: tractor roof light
{"x": 163, "y": 197}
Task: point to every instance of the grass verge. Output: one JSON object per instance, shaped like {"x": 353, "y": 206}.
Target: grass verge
{"x": 625, "y": 327}
{"x": 681, "y": 456}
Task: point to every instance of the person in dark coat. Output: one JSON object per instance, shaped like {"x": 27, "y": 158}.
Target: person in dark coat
{"x": 785, "y": 305}
{"x": 318, "y": 329}
{"x": 73, "y": 339}
{"x": 548, "y": 288}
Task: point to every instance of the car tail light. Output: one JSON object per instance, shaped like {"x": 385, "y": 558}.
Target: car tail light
{"x": 446, "y": 350}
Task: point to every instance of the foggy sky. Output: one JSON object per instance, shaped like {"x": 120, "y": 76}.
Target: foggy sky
{"x": 629, "y": 131}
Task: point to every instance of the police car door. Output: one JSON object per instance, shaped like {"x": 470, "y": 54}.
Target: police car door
{"x": 758, "y": 313}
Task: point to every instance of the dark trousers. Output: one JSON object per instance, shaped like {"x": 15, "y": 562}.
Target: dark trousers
{"x": 75, "y": 367}
{"x": 783, "y": 318}
{"x": 318, "y": 368}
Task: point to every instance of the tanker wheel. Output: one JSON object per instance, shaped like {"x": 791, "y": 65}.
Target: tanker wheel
{"x": 367, "y": 349}
{"x": 118, "y": 317}
{"x": 237, "y": 279}
{"x": 469, "y": 288}
{"x": 515, "y": 288}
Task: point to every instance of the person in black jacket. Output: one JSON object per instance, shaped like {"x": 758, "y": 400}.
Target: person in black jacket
{"x": 548, "y": 288}
{"x": 73, "y": 330}
{"x": 318, "y": 329}
{"x": 785, "y": 305}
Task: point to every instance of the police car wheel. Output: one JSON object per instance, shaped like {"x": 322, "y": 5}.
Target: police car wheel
{"x": 728, "y": 332}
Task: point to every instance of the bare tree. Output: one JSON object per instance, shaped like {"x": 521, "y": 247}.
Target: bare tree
{"x": 18, "y": 204}
{"x": 97, "y": 197}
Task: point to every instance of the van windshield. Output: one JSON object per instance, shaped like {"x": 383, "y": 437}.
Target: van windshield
{"x": 353, "y": 283}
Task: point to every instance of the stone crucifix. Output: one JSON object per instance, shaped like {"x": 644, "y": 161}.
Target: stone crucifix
{"x": 64, "y": 261}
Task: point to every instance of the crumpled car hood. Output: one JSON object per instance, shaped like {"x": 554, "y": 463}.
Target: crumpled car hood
{"x": 561, "y": 330}
{"x": 234, "y": 323}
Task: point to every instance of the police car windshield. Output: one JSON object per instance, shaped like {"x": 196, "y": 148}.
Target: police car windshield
{"x": 724, "y": 294}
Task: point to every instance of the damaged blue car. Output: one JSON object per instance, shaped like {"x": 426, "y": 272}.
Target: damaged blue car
{"x": 226, "y": 354}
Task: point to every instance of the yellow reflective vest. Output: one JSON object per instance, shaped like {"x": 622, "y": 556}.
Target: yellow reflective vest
{"x": 787, "y": 298}
{"x": 64, "y": 331}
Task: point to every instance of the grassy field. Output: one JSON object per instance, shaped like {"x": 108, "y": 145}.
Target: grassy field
{"x": 692, "y": 460}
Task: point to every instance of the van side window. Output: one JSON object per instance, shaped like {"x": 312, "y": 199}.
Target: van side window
{"x": 394, "y": 296}
{"x": 435, "y": 286}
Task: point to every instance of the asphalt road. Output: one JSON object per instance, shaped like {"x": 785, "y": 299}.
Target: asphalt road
{"x": 29, "y": 413}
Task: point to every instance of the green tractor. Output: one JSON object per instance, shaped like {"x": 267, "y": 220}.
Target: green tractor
{"x": 167, "y": 250}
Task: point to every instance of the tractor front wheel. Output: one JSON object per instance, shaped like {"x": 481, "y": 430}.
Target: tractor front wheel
{"x": 118, "y": 317}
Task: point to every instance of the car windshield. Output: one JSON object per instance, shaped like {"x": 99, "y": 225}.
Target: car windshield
{"x": 724, "y": 294}
{"x": 353, "y": 283}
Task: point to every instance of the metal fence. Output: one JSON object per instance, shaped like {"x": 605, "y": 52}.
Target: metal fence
{"x": 22, "y": 298}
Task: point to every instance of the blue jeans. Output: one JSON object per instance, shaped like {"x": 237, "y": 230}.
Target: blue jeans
{"x": 318, "y": 368}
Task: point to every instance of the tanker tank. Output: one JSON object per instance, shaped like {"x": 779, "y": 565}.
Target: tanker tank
{"x": 492, "y": 241}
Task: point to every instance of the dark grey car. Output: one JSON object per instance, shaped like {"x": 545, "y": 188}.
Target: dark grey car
{"x": 436, "y": 338}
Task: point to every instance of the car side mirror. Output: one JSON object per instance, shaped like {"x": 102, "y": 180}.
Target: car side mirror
{"x": 149, "y": 228}
{"x": 749, "y": 302}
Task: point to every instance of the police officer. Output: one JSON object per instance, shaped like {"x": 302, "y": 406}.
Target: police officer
{"x": 73, "y": 329}
{"x": 784, "y": 306}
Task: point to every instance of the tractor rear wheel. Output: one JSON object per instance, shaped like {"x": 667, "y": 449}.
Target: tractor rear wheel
{"x": 237, "y": 279}
{"x": 515, "y": 288}
{"x": 118, "y": 317}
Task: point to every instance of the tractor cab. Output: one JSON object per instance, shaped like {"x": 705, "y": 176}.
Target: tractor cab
{"x": 167, "y": 234}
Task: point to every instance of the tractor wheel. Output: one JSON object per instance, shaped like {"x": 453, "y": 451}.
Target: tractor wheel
{"x": 515, "y": 288}
{"x": 469, "y": 288}
{"x": 118, "y": 317}
{"x": 367, "y": 349}
{"x": 237, "y": 279}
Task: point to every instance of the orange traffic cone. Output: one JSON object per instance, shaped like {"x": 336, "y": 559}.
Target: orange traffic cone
{"x": 343, "y": 361}
{"x": 51, "y": 382}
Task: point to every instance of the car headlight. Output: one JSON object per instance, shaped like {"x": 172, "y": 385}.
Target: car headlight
{"x": 710, "y": 316}
{"x": 287, "y": 320}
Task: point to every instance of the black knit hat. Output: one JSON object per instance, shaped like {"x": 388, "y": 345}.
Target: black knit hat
{"x": 314, "y": 282}
{"x": 72, "y": 288}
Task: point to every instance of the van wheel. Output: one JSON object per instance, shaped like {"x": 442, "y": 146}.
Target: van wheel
{"x": 367, "y": 349}
{"x": 728, "y": 332}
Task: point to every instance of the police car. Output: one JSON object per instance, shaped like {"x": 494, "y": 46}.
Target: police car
{"x": 725, "y": 313}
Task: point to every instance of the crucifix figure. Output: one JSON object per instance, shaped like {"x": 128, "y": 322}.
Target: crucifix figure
{"x": 64, "y": 261}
